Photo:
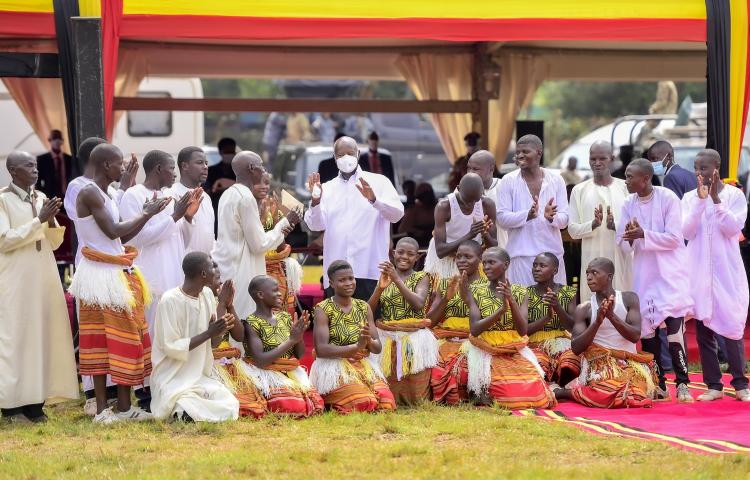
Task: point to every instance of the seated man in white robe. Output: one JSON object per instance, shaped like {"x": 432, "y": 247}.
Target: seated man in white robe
{"x": 186, "y": 321}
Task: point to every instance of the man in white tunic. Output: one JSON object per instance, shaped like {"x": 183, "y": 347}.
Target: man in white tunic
{"x": 242, "y": 242}
{"x": 464, "y": 215}
{"x": 71, "y": 197}
{"x": 159, "y": 243}
{"x": 482, "y": 163}
{"x": 533, "y": 208}
{"x": 186, "y": 322}
{"x": 355, "y": 210}
{"x": 712, "y": 219}
{"x": 198, "y": 229}
{"x": 36, "y": 346}
{"x": 595, "y": 208}
{"x": 651, "y": 228}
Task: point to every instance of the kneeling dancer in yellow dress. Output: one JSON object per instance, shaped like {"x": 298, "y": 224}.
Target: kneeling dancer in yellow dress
{"x": 410, "y": 349}
{"x": 344, "y": 372}
{"x": 501, "y": 367}
{"x": 273, "y": 347}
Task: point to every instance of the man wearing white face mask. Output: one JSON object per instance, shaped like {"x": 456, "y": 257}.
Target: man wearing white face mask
{"x": 355, "y": 210}
{"x": 676, "y": 178}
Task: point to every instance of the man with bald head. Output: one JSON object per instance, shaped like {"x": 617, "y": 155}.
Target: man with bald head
{"x": 483, "y": 164}
{"x": 36, "y": 351}
{"x": 595, "y": 207}
{"x": 463, "y": 215}
{"x": 651, "y": 228}
{"x": 712, "y": 219}
{"x": 242, "y": 243}
{"x": 355, "y": 210}
{"x": 533, "y": 208}
{"x": 606, "y": 329}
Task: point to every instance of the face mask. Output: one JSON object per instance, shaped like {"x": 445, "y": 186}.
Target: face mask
{"x": 347, "y": 163}
{"x": 658, "y": 168}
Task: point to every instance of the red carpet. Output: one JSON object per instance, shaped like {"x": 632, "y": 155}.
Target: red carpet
{"x": 722, "y": 426}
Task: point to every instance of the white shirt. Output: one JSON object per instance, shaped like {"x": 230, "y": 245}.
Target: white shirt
{"x": 660, "y": 263}
{"x": 607, "y": 335}
{"x": 494, "y": 194}
{"x": 599, "y": 242}
{"x": 530, "y": 238}
{"x": 197, "y": 236}
{"x": 181, "y": 378}
{"x": 356, "y": 230}
{"x": 70, "y": 203}
{"x": 717, "y": 274}
{"x": 159, "y": 243}
{"x": 240, "y": 250}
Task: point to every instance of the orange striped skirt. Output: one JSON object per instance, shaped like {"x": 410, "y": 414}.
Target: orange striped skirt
{"x": 559, "y": 367}
{"x": 449, "y": 378}
{"x": 360, "y": 388}
{"x": 615, "y": 379}
{"x": 116, "y": 342}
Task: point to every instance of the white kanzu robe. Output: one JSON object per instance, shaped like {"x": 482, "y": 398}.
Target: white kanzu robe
{"x": 717, "y": 273}
{"x": 240, "y": 250}
{"x": 599, "y": 242}
{"x": 660, "y": 261}
{"x": 527, "y": 239}
{"x": 181, "y": 378}
{"x": 37, "y": 362}
{"x": 159, "y": 243}
{"x": 197, "y": 235}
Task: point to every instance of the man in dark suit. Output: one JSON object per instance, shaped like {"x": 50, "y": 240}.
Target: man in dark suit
{"x": 372, "y": 161}
{"x": 676, "y": 178}
{"x": 56, "y": 168}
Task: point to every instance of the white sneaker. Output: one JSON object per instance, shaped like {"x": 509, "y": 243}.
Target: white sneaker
{"x": 710, "y": 395}
{"x": 106, "y": 417}
{"x": 743, "y": 395}
{"x": 135, "y": 414}
{"x": 683, "y": 394}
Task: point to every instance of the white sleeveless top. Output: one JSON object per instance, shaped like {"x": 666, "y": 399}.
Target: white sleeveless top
{"x": 607, "y": 336}
{"x": 460, "y": 223}
{"x": 91, "y": 235}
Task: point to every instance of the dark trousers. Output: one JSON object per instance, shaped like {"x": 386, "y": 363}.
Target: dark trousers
{"x": 734, "y": 351}
{"x": 666, "y": 358}
{"x": 676, "y": 351}
{"x": 30, "y": 411}
{"x": 364, "y": 290}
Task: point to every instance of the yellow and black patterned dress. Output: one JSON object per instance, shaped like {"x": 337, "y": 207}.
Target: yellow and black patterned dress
{"x": 456, "y": 314}
{"x": 551, "y": 345}
{"x": 343, "y": 328}
{"x": 489, "y": 303}
{"x": 538, "y": 310}
{"x": 272, "y": 335}
{"x": 393, "y": 305}
{"x": 270, "y": 215}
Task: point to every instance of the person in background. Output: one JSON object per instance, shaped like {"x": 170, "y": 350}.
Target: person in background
{"x": 419, "y": 219}
{"x": 410, "y": 189}
{"x": 570, "y": 174}
{"x": 459, "y": 168}
{"x": 325, "y": 127}
{"x": 273, "y": 133}
{"x": 676, "y": 178}
{"x": 56, "y": 168}
{"x": 375, "y": 162}
{"x": 220, "y": 176}
{"x": 482, "y": 163}
{"x": 298, "y": 128}
{"x": 36, "y": 352}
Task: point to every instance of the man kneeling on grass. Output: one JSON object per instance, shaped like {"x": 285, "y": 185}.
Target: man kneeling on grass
{"x": 605, "y": 331}
{"x": 186, "y": 321}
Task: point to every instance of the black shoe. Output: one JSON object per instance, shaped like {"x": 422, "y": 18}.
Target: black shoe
{"x": 40, "y": 419}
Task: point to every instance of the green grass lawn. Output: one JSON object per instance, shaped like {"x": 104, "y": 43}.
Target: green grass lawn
{"x": 430, "y": 442}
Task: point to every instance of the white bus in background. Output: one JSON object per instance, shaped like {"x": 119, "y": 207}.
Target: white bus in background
{"x": 136, "y": 132}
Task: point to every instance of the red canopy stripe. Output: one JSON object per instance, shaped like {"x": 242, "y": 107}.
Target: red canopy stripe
{"x": 27, "y": 24}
